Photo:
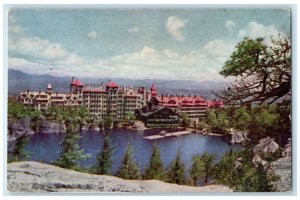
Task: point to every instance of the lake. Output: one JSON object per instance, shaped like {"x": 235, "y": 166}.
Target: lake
{"x": 45, "y": 147}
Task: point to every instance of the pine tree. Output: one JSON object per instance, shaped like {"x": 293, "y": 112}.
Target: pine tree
{"x": 155, "y": 169}
{"x": 176, "y": 172}
{"x": 207, "y": 160}
{"x": 129, "y": 169}
{"x": 105, "y": 157}
{"x": 197, "y": 170}
{"x": 71, "y": 153}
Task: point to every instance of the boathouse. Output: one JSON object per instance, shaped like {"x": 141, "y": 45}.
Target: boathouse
{"x": 159, "y": 117}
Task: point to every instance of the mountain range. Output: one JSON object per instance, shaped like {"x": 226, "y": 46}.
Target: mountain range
{"x": 19, "y": 81}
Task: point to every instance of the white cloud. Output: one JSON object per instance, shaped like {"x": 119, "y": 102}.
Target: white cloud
{"x": 174, "y": 27}
{"x": 218, "y": 48}
{"x": 133, "y": 30}
{"x": 92, "y": 35}
{"x": 149, "y": 63}
{"x": 255, "y": 30}
{"x": 42, "y": 50}
{"x": 230, "y": 25}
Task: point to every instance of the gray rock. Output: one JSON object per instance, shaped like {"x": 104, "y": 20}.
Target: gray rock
{"x": 266, "y": 146}
{"x": 51, "y": 127}
{"x": 138, "y": 125}
{"x": 237, "y": 137}
{"x": 37, "y": 177}
{"x": 16, "y": 129}
{"x": 282, "y": 169}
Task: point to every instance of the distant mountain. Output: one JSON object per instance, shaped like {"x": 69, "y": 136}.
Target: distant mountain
{"x": 19, "y": 81}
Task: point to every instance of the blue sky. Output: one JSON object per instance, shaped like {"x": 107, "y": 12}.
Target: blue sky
{"x": 188, "y": 44}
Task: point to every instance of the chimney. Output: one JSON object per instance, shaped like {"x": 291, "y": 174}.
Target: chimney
{"x": 162, "y": 97}
{"x": 27, "y": 91}
{"x": 182, "y": 96}
{"x": 195, "y": 96}
{"x": 56, "y": 93}
{"x": 73, "y": 79}
{"x": 189, "y": 95}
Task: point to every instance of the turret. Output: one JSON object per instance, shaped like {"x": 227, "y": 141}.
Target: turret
{"x": 49, "y": 89}
{"x": 153, "y": 90}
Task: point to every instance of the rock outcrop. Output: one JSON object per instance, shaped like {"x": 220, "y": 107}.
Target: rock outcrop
{"x": 282, "y": 169}
{"x": 237, "y": 137}
{"x": 16, "y": 129}
{"x": 266, "y": 147}
{"x": 51, "y": 127}
{"x": 138, "y": 125}
{"x": 37, "y": 177}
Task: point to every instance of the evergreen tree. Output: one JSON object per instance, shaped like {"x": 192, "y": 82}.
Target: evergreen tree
{"x": 105, "y": 157}
{"x": 237, "y": 171}
{"x": 155, "y": 169}
{"x": 176, "y": 172}
{"x": 262, "y": 71}
{"x": 71, "y": 153}
{"x": 129, "y": 169}
{"x": 197, "y": 170}
{"x": 225, "y": 171}
{"x": 207, "y": 160}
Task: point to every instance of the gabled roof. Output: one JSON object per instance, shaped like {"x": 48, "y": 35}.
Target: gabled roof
{"x": 112, "y": 84}
{"x": 159, "y": 108}
{"x": 49, "y": 86}
{"x": 174, "y": 101}
{"x": 76, "y": 83}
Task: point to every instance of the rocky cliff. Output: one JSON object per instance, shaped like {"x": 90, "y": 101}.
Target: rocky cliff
{"x": 22, "y": 127}
{"x": 37, "y": 177}
{"x": 281, "y": 168}
{"x": 16, "y": 129}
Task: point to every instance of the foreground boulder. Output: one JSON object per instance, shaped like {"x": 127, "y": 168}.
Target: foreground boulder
{"x": 37, "y": 177}
{"x": 265, "y": 148}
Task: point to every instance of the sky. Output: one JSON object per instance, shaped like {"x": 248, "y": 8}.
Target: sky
{"x": 172, "y": 44}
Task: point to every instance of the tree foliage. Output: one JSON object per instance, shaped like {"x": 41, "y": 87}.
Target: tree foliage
{"x": 197, "y": 170}
{"x": 236, "y": 170}
{"x": 104, "y": 158}
{"x": 155, "y": 169}
{"x": 263, "y": 72}
{"x": 218, "y": 121}
{"x": 176, "y": 170}
{"x": 202, "y": 167}
{"x": 129, "y": 169}
{"x": 71, "y": 152}
{"x": 208, "y": 160}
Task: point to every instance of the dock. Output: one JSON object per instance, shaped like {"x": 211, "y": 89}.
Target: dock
{"x": 174, "y": 134}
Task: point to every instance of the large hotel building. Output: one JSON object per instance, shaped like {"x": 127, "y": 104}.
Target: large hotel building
{"x": 117, "y": 101}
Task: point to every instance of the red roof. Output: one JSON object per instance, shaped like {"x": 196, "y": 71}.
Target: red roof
{"x": 153, "y": 90}
{"x": 215, "y": 103}
{"x": 112, "y": 84}
{"x": 181, "y": 101}
{"x": 93, "y": 90}
{"x": 76, "y": 82}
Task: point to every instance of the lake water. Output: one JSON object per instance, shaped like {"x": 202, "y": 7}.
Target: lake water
{"x": 45, "y": 147}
